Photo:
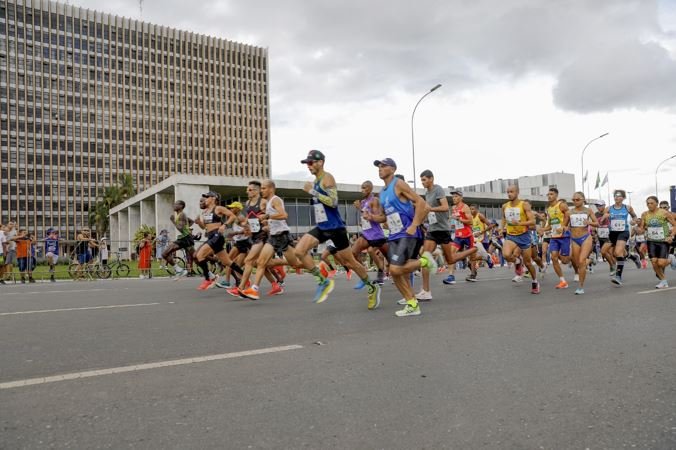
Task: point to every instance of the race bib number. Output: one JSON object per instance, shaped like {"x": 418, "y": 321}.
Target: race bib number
{"x": 577, "y": 220}
{"x": 394, "y": 223}
{"x": 320, "y": 213}
{"x": 603, "y": 233}
{"x": 431, "y": 218}
{"x": 655, "y": 234}
{"x": 513, "y": 215}
{"x": 640, "y": 238}
{"x": 618, "y": 225}
{"x": 365, "y": 224}
{"x": 557, "y": 229}
{"x": 255, "y": 225}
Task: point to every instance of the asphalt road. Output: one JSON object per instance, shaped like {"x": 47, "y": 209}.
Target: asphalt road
{"x": 487, "y": 365}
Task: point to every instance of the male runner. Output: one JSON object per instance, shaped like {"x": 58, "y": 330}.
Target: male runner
{"x": 481, "y": 227}
{"x": 184, "y": 239}
{"x": 404, "y": 211}
{"x": 619, "y": 214}
{"x": 463, "y": 242}
{"x": 330, "y": 225}
{"x": 517, "y": 217}
{"x": 559, "y": 243}
{"x": 603, "y": 235}
{"x": 372, "y": 236}
{"x": 239, "y": 234}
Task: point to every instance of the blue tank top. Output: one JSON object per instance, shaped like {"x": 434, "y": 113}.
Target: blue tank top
{"x": 52, "y": 246}
{"x": 326, "y": 217}
{"x": 399, "y": 214}
{"x": 619, "y": 218}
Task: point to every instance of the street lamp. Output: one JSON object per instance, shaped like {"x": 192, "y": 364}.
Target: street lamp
{"x": 658, "y": 168}
{"x": 582, "y": 158}
{"x": 415, "y": 176}
{"x": 629, "y": 194}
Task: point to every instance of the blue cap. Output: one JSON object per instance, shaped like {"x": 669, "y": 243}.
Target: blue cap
{"x": 385, "y": 162}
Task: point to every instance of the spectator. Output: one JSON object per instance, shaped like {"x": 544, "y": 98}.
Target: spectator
{"x": 52, "y": 251}
{"x": 145, "y": 251}
{"x": 23, "y": 253}
{"x": 3, "y": 250}
{"x": 83, "y": 246}
{"x": 103, "y": 251}
{"x": 10, "y": 252}
{"x": 161, "y": 246}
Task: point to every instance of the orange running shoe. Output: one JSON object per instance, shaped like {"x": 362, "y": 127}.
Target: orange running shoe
{"x": 206, "y": 284}
{"x": 562, "y": 285}
{"x": 276, "y": 289}
{"x": 251, "y": 294}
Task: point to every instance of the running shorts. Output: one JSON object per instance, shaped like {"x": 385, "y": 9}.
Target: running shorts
{"x": 560, "y": 245}
{"x": 377, "y": 243}
{"x": 440, "y": 237}
{"x": 259, "y": 238}
{"x": 659, "y": 250}
{"x": 337, "y": 235}
{"x": 185, "y": 242}
{"x": 216, "y": 241}
{"x": 280, "y": 242}
{"x": 243, "y": 245}
{"x": 401, "y": 250}
{"x": 618, "y": 236}
{"x": 462, "y": 243}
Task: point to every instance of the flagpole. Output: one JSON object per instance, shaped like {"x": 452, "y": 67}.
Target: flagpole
{"x": 582, "y": 157}
{"x": 608, "y": 188}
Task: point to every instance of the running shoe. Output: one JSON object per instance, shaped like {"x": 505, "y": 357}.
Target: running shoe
{"x": 519, "y": 269}
{"x": 234, "y": 291}
{"x": 449, "y": 279}
{"x": 517, "y": 279}
{"x": 535, "y": 288}
{"x": 281, "y": 272}
{"x": 637, "y": 260}
{"x": 423, "y": 296}
{"x": 471, "y": 277}
{"x": 348, "y": 275}
{"x": 441, "y": 269}
{"x": 323, "y": 290}
{"x": 613, "y": 271}
{"x": 579, "y": 291}
{"x": 381, "y": 278}
{"x": 214, "y": 280}
{"x": 616, "y": 280}
{"x": 662, "y": 284}
{"x": 179, "y": 272}
{"x": 360, "y": 285}
{"x": 562, "y": 285}
{"x": 428, "y": 262}
{"x": 374, "y": 296}
{"x": 672, "y": 262}
{"x": 206, "y": 284}
{"x": 489, "y": 262}
{"x": 251, "y": 293}
{"x": 223, "y": 284}
{"x": 277, "y": 289}
{"x": 409, "y": 310}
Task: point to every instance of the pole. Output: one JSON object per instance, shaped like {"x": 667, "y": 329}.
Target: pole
{"x": 582, "y": 158}
{"x": 657, "y": 169}
{"x": 415, "y": 176}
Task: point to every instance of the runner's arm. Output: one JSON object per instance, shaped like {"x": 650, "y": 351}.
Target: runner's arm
{"x": 592, "y": 218}
{"x": 329, "y": 185}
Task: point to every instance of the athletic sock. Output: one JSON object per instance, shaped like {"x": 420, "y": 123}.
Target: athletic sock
{"x": 620, "y": 266}
{"x": 235, "y": 268}
{"x": 317, "y": 274}
{"x": 205, "y": 268}
{"x": 331, "y": 266}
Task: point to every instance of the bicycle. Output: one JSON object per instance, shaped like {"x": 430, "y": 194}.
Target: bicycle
{"x": 121, "y": 269}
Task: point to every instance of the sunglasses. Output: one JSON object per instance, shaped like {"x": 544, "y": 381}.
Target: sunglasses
{"x": 310, "y": 163}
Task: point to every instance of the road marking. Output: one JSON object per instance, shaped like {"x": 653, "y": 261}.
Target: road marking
{"x": 58, "y": 292}
{"x": 139, "y": 367}
{"x": 653, "y": 291}
{"x": 84, "y": 308}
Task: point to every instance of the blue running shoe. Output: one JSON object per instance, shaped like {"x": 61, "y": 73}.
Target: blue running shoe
{"x": 449, "y": 279}
{"x": 323, "y": 290}
{"x": 489, "y": 261}
{"x": 360, "y": 285}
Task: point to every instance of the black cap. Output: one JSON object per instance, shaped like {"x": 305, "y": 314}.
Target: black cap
{"x": 212, "y": 194}
{"x": 386, "y": 162}
{"x": 456, "y": 192}
{"x": 313, "y": 155}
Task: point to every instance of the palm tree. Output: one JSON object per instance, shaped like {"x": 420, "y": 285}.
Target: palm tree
{"x": 111, "y": 197}
{"x": 126, "y": 184}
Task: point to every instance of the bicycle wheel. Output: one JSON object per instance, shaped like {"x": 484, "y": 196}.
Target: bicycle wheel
{"x": 74, "y": 271}
{"x": 178, "y": 260}
{"x": 104, "y": 271}
{"x": 122, "y": 270}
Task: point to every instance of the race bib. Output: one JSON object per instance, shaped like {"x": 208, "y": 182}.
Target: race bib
{"x": 255, "y": 225}
{"x": 431, "y": 218}
{"x": 394, "y": 223}
{"x": 320, "y": 213}
{"x": 603, "y": 233}
{"x": 655, "y": 233}
{"x": 365, "y": 224}
{"x": 640, "y": 238}
{"x": 577, "y": 220}
{"x": 618, "y": 225}
{"x": 513, "y": 215}
{"x": 557, "y": 229}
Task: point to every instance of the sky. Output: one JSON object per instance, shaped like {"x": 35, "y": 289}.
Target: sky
{"x": 525, "y": 84}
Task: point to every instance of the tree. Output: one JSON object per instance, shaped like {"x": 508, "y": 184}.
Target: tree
{"x": 111, "y": 197}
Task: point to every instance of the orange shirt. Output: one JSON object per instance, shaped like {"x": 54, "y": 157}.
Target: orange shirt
{"x": 23, "y": 248}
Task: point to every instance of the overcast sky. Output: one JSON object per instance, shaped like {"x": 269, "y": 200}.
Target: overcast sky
{"x": 526, "y": 83}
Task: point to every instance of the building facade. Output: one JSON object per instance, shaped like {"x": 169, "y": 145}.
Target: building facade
{"x": 86, "y": 97}
{"x": 534, "y": 185}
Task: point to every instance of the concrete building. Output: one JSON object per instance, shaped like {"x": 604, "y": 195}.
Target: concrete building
{"x": 87, "y": 96}
{"x": 535, "y": 185}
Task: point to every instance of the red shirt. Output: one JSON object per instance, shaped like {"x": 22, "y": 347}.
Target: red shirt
{"x": 462, "y": 230}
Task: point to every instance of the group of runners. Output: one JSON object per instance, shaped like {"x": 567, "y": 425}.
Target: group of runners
{"x": 400, "y": 230}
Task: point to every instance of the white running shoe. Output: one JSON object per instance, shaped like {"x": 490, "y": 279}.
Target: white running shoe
{"x": 517, "y": 279}
{"x": 424, "y": 295}
{"x": 662, "y": 285}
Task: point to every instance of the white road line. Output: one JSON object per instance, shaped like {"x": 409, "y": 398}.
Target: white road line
{"x": 654, "y": 291}
{"x": 59, "y": 292}
{"x": 84, "y": 308}
{"x": 139, "y": 367}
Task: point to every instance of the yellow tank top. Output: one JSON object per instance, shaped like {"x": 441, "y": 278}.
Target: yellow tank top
{"x": 478, "y": 228}
{"x": 515, "y": 214}
{"x": 556, "y": 219}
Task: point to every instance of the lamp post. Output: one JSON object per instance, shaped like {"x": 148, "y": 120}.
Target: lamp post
{"x": 582, "y": 157}
{"x": 657, "y": 169}
{"x": 629, "y": 194}
{"x": 415, "y": 176}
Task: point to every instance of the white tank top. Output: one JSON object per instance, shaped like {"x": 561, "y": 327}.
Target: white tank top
{"x": 276, "y": 226}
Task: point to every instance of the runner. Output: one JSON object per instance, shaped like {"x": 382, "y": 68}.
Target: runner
{"x": 619, "y": 214}
{"x": 210, "y": 220}
{"x": 581, "y": 218}
{"x": 603, "y": 235}
{"x": 330, "y": 225}
{"x": 279, "y": 241}
{"x": 516, "y": 218}
{"x": 184, "y": 239}
{"x": 655, "y": 223}
{"x": 665, "y": 206}
{"x": 404, "y": 211}
{"x": 481, "y": 229}
{"x": 557, "y": 226}
{"x": 463, "y": 242}
{"x": 372, "y": 237}
{"x": 52, "y": 251}
{"x": 438, "y": 230}
{"x": 239, "y": 234}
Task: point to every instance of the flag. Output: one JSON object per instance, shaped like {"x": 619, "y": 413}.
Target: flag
{"x": 605, "y": 180}
{"x": 584, "y": 178}
{"x": 598, "y": 180}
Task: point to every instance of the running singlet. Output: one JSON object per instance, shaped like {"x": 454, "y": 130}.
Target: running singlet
{"x": 461, "y": 230}
{"x": 399, "y": 214}
{"x": 182, "y": 232}
{"x": 209, "y": 217}
{"x": 326, "y": 217}
{"x": 252, "y": 212}
{"x": 656, "y": 226}
{"x": 238, "y": 229}
{"x": 556, "y": 220}
{"x": 276, "y": 226}
{"x": 479, "y": 229}
{"x": 577, "y": 219}
{"x": 619, "y": 218}
{"x": 52, "y": 246}
{"x": 603, "y": 231}
{"x": 515, "y": 214}
{"x": 371, "y": 230}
